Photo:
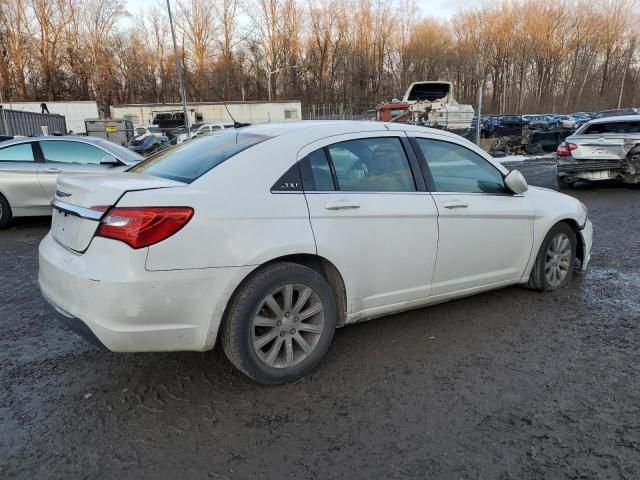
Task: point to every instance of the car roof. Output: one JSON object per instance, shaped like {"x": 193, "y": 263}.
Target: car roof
{"x": 336, "y": 127}
{"x": 616, "y": 118}
{"x": 98, "y": 142}
{"x": 77, "y": 138}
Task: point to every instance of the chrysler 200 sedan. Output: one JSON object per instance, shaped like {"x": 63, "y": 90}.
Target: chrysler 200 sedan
{"x": 271, "y": 236}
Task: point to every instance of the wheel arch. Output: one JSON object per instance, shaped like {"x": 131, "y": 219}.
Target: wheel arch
{"x": 580, "y": 247}
{"x": 315, "y": 262}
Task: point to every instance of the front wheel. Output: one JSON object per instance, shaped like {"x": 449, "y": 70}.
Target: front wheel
{"x": 280, "y": 324}
{"x": 556, "y": 260}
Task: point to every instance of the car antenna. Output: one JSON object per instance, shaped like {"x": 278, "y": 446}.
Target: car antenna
{"x": 236, "y": 124}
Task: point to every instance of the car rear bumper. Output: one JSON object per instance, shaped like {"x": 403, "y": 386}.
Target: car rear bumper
{"x": 106, "y": 293}
{"x": 593, "y": 169}
{"x": 74, "y": 324}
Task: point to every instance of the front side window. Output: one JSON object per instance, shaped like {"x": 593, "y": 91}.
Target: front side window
{"x": 371, "y": 165}
{"x": 455, "y": 168}
{"x": 17, "y": 153}
{"x": 190, "y": 160}
{"x": 61, "y": 151}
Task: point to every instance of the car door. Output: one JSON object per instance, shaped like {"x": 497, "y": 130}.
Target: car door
{"x": 68, "y": 157}
{"x": 19, "y": 178}
{"x": 372, "y": 217}
{"x": 485, "y": 232}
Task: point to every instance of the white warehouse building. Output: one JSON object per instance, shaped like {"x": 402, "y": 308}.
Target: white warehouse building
{"x": 213, "y": 112}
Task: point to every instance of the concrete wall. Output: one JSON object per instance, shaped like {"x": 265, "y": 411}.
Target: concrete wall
{"x": 214, "y": 112}
{"x": 75, "y": 113}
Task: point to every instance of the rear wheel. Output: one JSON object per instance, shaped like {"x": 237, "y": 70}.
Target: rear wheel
{"x": 556, "y": 259}
{"x": 280, "y": 324}
{"x": 563, "y": 184}
{"x": 5, "y": 212}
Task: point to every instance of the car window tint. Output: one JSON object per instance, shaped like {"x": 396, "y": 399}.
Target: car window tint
{"x": 455, "y": 168}
{"x": 321, "y": 178}
{"x": 372, "y": 165}
{"x": 17, "y": 153}
{"x": 190, "y": 160}
{"x": 61, "y": 151}
{"x": 612, "y": 127}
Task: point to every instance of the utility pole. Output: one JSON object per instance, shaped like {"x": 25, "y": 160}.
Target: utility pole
{"x": 4, "y": 115}
{"x": 183, "y": 92}
{"x": 478, "y": 117}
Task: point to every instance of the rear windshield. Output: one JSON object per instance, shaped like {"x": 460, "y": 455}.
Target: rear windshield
{"x": 611, "y": 127}
{"x": 190, "y": 160}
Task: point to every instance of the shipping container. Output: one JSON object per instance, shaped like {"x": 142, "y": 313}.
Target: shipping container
{"x": 116, "y": 130}
{"x": 14, "y": 122}
{"x": 75, "y": 113}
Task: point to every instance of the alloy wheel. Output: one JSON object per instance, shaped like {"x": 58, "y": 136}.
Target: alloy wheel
{"x": 287, "y": 325}
{"x": 558, "y": 259}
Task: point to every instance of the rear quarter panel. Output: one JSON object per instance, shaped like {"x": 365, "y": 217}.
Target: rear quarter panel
{"x": 237, "y": 220}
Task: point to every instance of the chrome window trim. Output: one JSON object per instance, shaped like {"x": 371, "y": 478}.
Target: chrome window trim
{"x": 81, "y": 212}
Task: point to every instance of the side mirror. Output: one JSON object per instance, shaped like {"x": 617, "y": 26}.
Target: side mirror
{"x": 516, "y": 182}
{"x": 109, "y": 160}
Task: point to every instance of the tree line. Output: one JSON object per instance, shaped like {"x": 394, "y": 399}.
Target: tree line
{"x": 527, "y": 55}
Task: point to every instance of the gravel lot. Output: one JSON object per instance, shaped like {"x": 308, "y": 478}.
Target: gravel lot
{"x": 505, "y": 385}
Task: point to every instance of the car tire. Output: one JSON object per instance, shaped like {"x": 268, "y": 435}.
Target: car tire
{"x": 5, "y": 212}
{"x": 556, "y": 260}
{"x": 563, "y": 184}
{"x": 263, "y": 340}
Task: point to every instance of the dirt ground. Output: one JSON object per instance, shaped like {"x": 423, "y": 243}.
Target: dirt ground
{"x": 506, "y": 385}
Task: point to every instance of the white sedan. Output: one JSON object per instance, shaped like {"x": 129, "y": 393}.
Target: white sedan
{"x": 271, "y": 236}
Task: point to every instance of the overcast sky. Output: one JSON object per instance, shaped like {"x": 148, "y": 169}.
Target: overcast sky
{"x": 433, "y": 8}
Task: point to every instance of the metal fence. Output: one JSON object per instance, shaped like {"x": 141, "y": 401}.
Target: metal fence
{"x": 18, "y": 122}
{"x": 336, "y": 111}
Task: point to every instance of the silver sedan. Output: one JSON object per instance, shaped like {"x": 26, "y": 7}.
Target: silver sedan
{"x": 29, "y": 169}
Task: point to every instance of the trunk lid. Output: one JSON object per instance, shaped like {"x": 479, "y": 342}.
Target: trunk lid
{"x": 596, "y": 147}
{"x": 80, "y": 202}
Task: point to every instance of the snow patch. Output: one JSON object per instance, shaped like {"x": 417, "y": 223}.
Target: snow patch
{"x": 522, "y": 158}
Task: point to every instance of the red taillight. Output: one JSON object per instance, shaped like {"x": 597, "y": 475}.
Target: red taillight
{"x": 143, "y": 226}
{"x": 565, "y": 149}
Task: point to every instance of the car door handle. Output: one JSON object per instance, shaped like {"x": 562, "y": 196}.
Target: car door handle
{"x": 341, "y": 205}
{"x": 455, "y": 204}
{"x": 52, "y": 170}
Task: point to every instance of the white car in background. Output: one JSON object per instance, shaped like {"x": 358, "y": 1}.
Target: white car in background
{"x": 602, "y": 149}
{"x": 29, "y": 169}
{"x": 199, "y": 130}
{"x": 269, "y": 237}
{"x": 146, "y": 130}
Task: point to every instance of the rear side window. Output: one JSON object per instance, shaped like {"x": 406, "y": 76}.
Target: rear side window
{"x": 611, "y": 127}
{"x": 60, "y": 151}
{"x": 17, "y": 153}
{"x": 190, "y": 160}
{"x": 371, "y": 165}
{"x": 362, "y": 165}
{"x": 316, "y": 172}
